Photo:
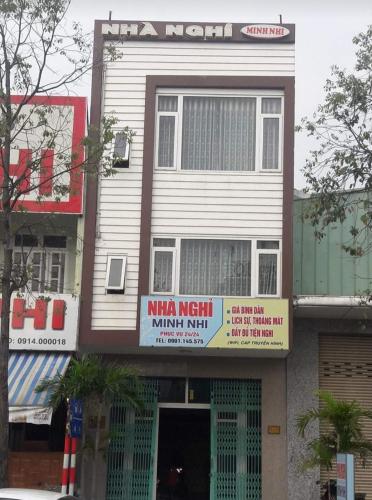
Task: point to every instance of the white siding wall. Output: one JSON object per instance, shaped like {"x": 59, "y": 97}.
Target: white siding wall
{"x": 184, "y": 203}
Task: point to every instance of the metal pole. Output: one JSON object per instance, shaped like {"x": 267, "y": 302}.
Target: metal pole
{"x": 66, "y": 460}
{"x": 72, "y": 474}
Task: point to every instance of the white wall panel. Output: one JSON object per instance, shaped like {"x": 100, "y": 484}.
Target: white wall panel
{"x": 187, "y": 203}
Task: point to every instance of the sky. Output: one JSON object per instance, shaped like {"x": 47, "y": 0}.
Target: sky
{"x": 324, "y": 32}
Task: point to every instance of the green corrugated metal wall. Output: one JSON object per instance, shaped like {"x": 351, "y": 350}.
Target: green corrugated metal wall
{"x": 322, "y": 267}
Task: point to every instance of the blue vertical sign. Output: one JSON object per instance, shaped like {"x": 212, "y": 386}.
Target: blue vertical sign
{"x": 345, "y": 476}
{"x": 76, "y": 418}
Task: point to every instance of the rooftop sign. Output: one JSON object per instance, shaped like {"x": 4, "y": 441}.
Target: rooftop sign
{"x": 145, "y": 30}
{"x": 265, "y": 31}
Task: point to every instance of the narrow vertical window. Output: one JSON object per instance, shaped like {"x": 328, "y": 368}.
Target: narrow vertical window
{"x": 163, "y": 265}
{"x": 268, "y": 255}
{"x": 57, "y": 272}
{"x": 270, "y": 133}
{"x": 167, "y": 116}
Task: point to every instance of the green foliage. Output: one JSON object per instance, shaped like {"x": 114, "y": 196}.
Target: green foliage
{"x": 342, "y": 161}
{"x": 95, "y": 381}
{"x": 344, "y": 423}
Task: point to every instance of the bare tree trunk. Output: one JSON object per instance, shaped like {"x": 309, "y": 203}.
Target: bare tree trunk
{"x": 4, "y": 356}
{"x": 6, "y": 287}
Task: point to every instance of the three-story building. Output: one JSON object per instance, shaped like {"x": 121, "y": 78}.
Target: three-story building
{"x": 188, "y": 254}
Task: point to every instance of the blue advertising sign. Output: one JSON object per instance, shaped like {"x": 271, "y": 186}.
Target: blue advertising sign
{"x": 345, "y": 476}
{"x": 214, "y": 322}
{"x": 76, "y": 428}
{"x": 76, "y": 408}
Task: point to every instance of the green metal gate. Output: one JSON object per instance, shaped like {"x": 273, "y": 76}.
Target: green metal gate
{"x": 235, "y": 440}
{"x": 130, "y": 461}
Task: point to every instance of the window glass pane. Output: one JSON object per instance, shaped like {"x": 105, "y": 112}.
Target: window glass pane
{"x": 163, "y": 268}
{"x": 166, "y": 141}
{"x": 167, "y": 103}
{"x": 267, "y": 274}
{"x": 218, "y": 133}
{"x": 120, "y": 144}
{"x": 55, "y": 241}
{"x": 56, "y": 258}
{"x": 270, "y": 147}
{"x": 26, "y": 240}
{"x": 271, "y": 105}
{"x": 268, "y": 245}
{"x": 199, "y": 390}
{"x": 55, "y": 272}
{"x": 215, "y": 267}
{"x": 164, "y": 242}
{"x": 116, "y": 268}
{"x": 36, "y": 258}
{"x": 172, "y": 390}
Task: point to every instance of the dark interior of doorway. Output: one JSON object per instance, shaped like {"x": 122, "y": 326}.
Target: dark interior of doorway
{"x": 183, "y": 454}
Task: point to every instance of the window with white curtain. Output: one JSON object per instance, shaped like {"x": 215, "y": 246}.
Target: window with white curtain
{"x": 215, "y": 267}
{"x": 163, "y": 265}
{"x": 268, "y": 261}
{"x": 235, "y": 133}
{"x": 189, "y": 266}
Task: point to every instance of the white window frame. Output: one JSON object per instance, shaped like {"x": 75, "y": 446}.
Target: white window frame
{"x": 174, "y": 252}
{"x": 121, "y": 286}
{"x": 112, "y": 149}
{"x": 176, "y": 134}
{"x": 46, "y": 267}
{"x": 269, "y": 251}
{"x": 254, "y": 263}
{"x": 261, "y": 117}
{"x": 258, "y": 94}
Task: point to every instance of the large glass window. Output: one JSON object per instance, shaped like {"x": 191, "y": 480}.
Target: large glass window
{"x": 215, "y": 267}
{"x": 219, "y": 132}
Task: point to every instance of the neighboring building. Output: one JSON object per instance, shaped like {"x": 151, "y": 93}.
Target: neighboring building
{"x": 48, "y": 229}
{"x": 332, "y": 334}
{"x": 188, "y": 255}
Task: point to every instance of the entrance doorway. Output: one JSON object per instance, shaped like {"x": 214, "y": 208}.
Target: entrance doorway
{"x": 183, "y": 471}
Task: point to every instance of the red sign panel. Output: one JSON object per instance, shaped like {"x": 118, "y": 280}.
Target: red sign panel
{"x": 40, "y": 323}
{"x": 50, "y": 187}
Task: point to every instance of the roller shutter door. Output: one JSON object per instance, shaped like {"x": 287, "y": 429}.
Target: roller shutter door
{"x": 345, "y": 369}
